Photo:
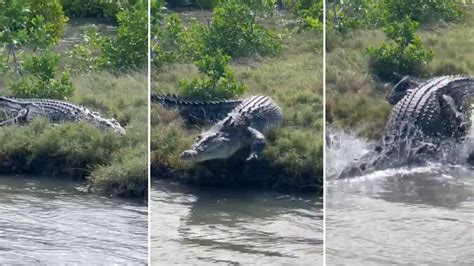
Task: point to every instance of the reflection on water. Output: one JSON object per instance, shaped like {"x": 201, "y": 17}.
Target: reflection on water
{"x": 192, "y": 226}
{"x": 46, "y": 221}
{"x": 410, "y": 215}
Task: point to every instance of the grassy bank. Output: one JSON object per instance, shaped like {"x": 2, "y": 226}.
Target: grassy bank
{"x": 356, "y": 99}
{"x": 111, "y": 164}
{"x": 292, "y": 159}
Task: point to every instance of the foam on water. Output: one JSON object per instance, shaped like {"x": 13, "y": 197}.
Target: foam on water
{"x": 345, "y": 146}
{"x": 413, "y": 215}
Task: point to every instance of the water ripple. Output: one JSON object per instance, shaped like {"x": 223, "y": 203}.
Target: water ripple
{"x": 408, "y": 215}
{"x": 233, "y": 227}
{"x": 48, "y": 221}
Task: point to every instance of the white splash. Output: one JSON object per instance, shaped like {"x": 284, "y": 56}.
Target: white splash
{"x": 344, "y": 146}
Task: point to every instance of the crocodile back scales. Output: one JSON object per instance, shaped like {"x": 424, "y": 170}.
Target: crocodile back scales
{"x": 57, "y": 111}
{"x": 423, "y": 109}
{"x": 259, "y": 112}
{"x": 196, "y": 111}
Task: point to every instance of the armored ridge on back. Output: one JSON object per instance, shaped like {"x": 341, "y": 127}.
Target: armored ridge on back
{"x": 245, "y": 123}
{"x": 197, "y": 112}
{"x": 424, "y": 116}
{"x": 25, "y": 110}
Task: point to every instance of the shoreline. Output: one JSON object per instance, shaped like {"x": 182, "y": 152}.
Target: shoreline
{"x": 78, "y": 184}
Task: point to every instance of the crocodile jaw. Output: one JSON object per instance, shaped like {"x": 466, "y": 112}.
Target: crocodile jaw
{"x": 201, "y": 153}
{"x": 116, "y": 128}
{"x": 120, "y": 130}
{"x": 195, "y": 156}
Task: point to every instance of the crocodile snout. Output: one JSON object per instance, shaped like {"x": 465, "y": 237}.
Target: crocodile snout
{"x": 188, "y": 155}
{"x": 121, "y": 131}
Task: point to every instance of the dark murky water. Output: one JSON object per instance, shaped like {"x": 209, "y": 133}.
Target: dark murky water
{"x": 415, "y": 216}
{"x": 195, "y": 227}
{"x": 45, "y": 221}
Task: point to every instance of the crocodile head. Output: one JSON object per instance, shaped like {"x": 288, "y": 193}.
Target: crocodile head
{"x": 213, "y": 144}
{"x": 374, "y": 160}
{"x": 109, "y": 124}
{"x": 103, "y": 123}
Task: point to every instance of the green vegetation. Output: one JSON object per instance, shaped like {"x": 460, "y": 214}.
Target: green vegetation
{"x": 344, "y": 16}
{"x": 292, "y": 159}
{"x": 35, "y": 63}
{"x": 219, "y": 81}
{"x": 94, "y": 8}
{"x": 29, "y": 29}
{"x": 355, "y": 87}
{"x": 405, "y": 54}
{"x": 124, "y": 171}
{"x": 38, "y": 78}
{"x": 113, "y": 164}
{"x": 423, "y": 11}
{"x": 126, "y": 51}
{"x": 48, "y": 14}
{"x": 233, "y": 31}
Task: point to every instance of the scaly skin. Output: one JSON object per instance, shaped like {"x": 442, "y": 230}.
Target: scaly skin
{"x": 245, "y": 123}
{"x": 197, "y": 111}
{"x": 25, "y": 110}
{"x": 435, "y": 112}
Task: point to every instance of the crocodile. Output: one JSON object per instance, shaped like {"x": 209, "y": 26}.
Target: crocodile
{"x": 245, "y": 124}
{"x": 24, "y": 111}
{"x": 426, "y": 118}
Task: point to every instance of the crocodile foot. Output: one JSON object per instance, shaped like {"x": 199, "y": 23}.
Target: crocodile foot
{"x": 19, "y": 118}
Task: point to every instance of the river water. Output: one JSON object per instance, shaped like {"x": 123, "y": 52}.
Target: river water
{"x": 49, "y": 221}
{"x": 410, "y": 215}
{"x": 192, "y": 226}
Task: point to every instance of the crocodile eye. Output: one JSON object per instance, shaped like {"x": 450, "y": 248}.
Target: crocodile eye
{"x": 198, "y": 138}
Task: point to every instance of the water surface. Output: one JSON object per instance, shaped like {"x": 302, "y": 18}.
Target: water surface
{"x": 191, "y": 226}
{"x": 411, "y": 215}
{"x": 46, "y": 220}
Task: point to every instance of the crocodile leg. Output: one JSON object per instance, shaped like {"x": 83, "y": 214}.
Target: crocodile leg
{"x": 20, "y": 117}
{"x": 257, "y": 144}
{"x": 449, "y": 101}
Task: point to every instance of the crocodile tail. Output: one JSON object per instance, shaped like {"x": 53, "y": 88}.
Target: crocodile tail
{"x": 196, "y": 111}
